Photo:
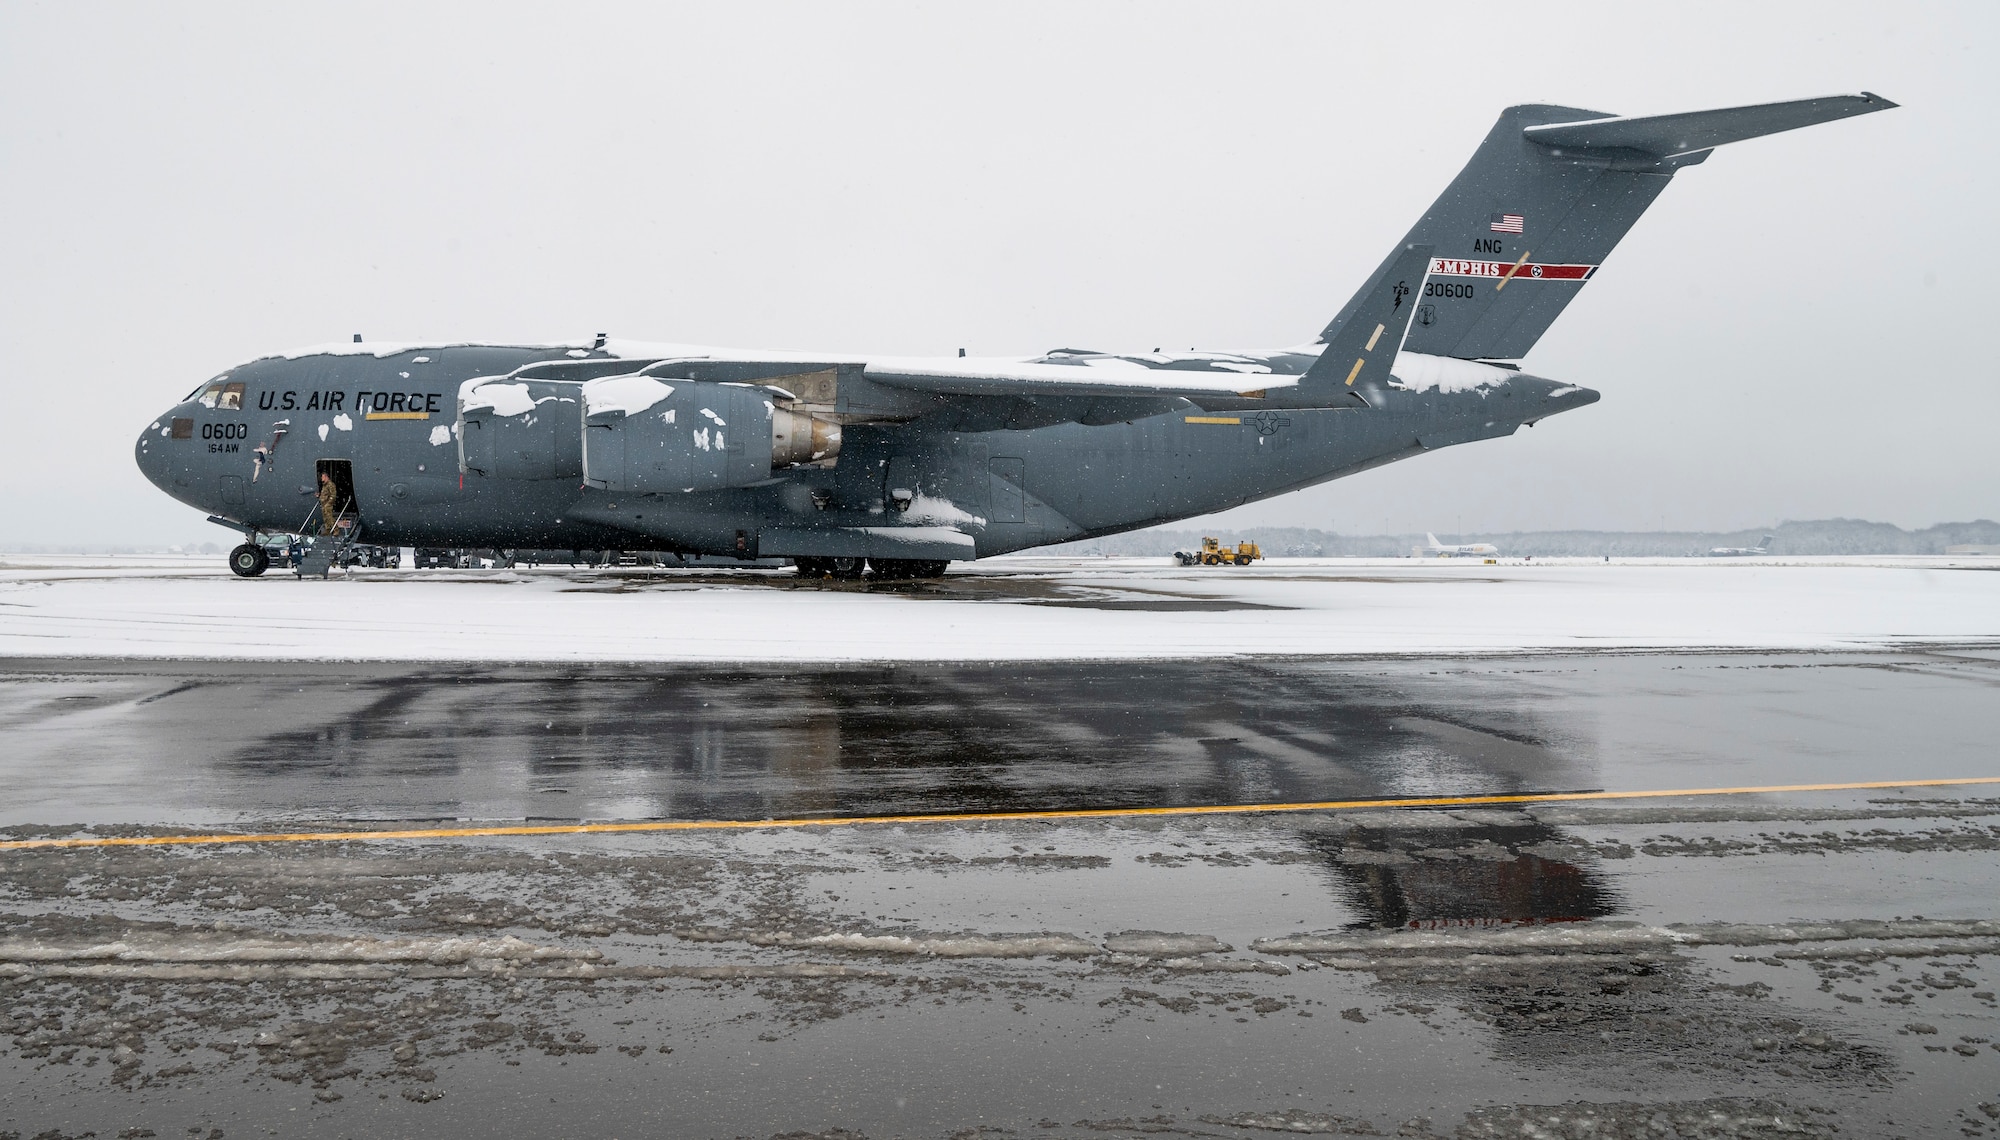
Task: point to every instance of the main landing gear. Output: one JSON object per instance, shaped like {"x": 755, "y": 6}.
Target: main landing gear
{"x": 249, "y": 560}
{"x": 885, "y": 569}
{"x": 907, "y": 567}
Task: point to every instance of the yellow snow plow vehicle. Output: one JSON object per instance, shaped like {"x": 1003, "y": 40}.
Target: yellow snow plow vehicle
{"x": 1213, "y": 553}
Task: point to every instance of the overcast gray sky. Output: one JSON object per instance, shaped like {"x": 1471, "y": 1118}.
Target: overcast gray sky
{"x": 1793, "y": 331}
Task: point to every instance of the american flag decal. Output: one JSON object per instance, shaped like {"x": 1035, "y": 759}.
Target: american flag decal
{"x": 1508, "y": 223}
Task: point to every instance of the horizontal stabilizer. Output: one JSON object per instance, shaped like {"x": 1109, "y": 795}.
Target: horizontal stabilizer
{"x": 1665, "y": 136}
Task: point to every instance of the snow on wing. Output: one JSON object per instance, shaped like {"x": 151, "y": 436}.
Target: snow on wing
{"x": 956, "y": 377}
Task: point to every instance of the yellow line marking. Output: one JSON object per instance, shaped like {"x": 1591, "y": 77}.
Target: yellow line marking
{"x": 1511, "y": 271}
{"x": 1374, "y": 336}
{"x": 968, "y": 817}
{"x": 1214, "y": 419}
{"x": 1355, "y": 371}
{"x": 399, "y": 415}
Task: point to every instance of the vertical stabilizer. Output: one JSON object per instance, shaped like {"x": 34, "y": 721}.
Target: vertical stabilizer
{"x": 1545, "y": 198}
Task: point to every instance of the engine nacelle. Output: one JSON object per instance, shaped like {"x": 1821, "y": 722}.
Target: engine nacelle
{"x": 645, "y": 436}
{"x": 537, "y": 429}
{"x": 520, "y": 429}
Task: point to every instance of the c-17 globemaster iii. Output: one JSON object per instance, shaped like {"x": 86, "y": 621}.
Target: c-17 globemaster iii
{"x": 846, "y": 463}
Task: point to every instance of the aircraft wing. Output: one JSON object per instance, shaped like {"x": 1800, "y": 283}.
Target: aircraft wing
{"x": 1360, "y": 345}
{"x": 1091, "y": 375}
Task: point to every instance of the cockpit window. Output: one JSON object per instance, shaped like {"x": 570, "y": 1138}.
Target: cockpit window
{"x": 200, "y": 388}
{"x": 218, "y": 394}
{"x": 228, "y": 397}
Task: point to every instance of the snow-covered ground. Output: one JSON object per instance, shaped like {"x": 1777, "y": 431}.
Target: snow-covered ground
{"x": 1003, "y": 609}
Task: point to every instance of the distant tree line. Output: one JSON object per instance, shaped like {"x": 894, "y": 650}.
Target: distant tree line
{"x": 1819, "y": 536}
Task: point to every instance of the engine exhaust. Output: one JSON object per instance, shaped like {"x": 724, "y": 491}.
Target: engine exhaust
{"x": 797, "y": 437}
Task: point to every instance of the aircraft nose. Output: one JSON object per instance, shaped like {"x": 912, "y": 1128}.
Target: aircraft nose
{"x": 151, "y": 452}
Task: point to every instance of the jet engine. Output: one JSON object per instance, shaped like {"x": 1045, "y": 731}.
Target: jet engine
{"x": 644, "y": 435}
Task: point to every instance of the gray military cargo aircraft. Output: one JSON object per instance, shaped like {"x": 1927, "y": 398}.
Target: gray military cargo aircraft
{"x": 900, "y": 465}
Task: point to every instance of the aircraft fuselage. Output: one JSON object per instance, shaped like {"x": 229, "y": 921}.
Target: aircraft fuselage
{"x": 251, "y": 452}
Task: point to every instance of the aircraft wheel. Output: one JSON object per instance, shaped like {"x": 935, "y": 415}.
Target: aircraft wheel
{"x": 904, "y": 568}
{"x": 249, "y": 560}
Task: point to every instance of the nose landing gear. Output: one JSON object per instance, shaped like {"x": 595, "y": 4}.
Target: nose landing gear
{"x": 249, "y": 560}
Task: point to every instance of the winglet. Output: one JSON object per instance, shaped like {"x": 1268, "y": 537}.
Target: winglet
{"x": 1362, "y": 343}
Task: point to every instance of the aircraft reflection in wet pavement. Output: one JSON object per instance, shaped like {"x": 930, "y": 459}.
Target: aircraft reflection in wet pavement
{"x": 765, "y": 743}
{"x": 769, "y": 744}
{"x": 842, "y": 462}
{"x": 758, "y": 742}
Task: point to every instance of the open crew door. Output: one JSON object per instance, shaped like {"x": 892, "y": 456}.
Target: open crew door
{"x": 337, "y": 512}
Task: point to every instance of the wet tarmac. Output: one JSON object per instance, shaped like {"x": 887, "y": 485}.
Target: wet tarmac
{"x": 1771, "y": 965}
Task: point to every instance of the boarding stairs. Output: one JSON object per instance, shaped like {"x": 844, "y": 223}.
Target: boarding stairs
{"x": 327, "y": 551}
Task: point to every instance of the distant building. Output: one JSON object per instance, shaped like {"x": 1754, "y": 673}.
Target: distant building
{"x": 1974, "y": 548}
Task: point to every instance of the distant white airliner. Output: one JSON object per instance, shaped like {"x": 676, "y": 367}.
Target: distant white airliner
{"x": 1467, "y": 550}
{"x": 1762, "y": 547}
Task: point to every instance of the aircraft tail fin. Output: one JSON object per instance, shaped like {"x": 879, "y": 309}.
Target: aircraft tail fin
{"x": 1432, "y": 539}
{"x": 1545, "y": 198}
